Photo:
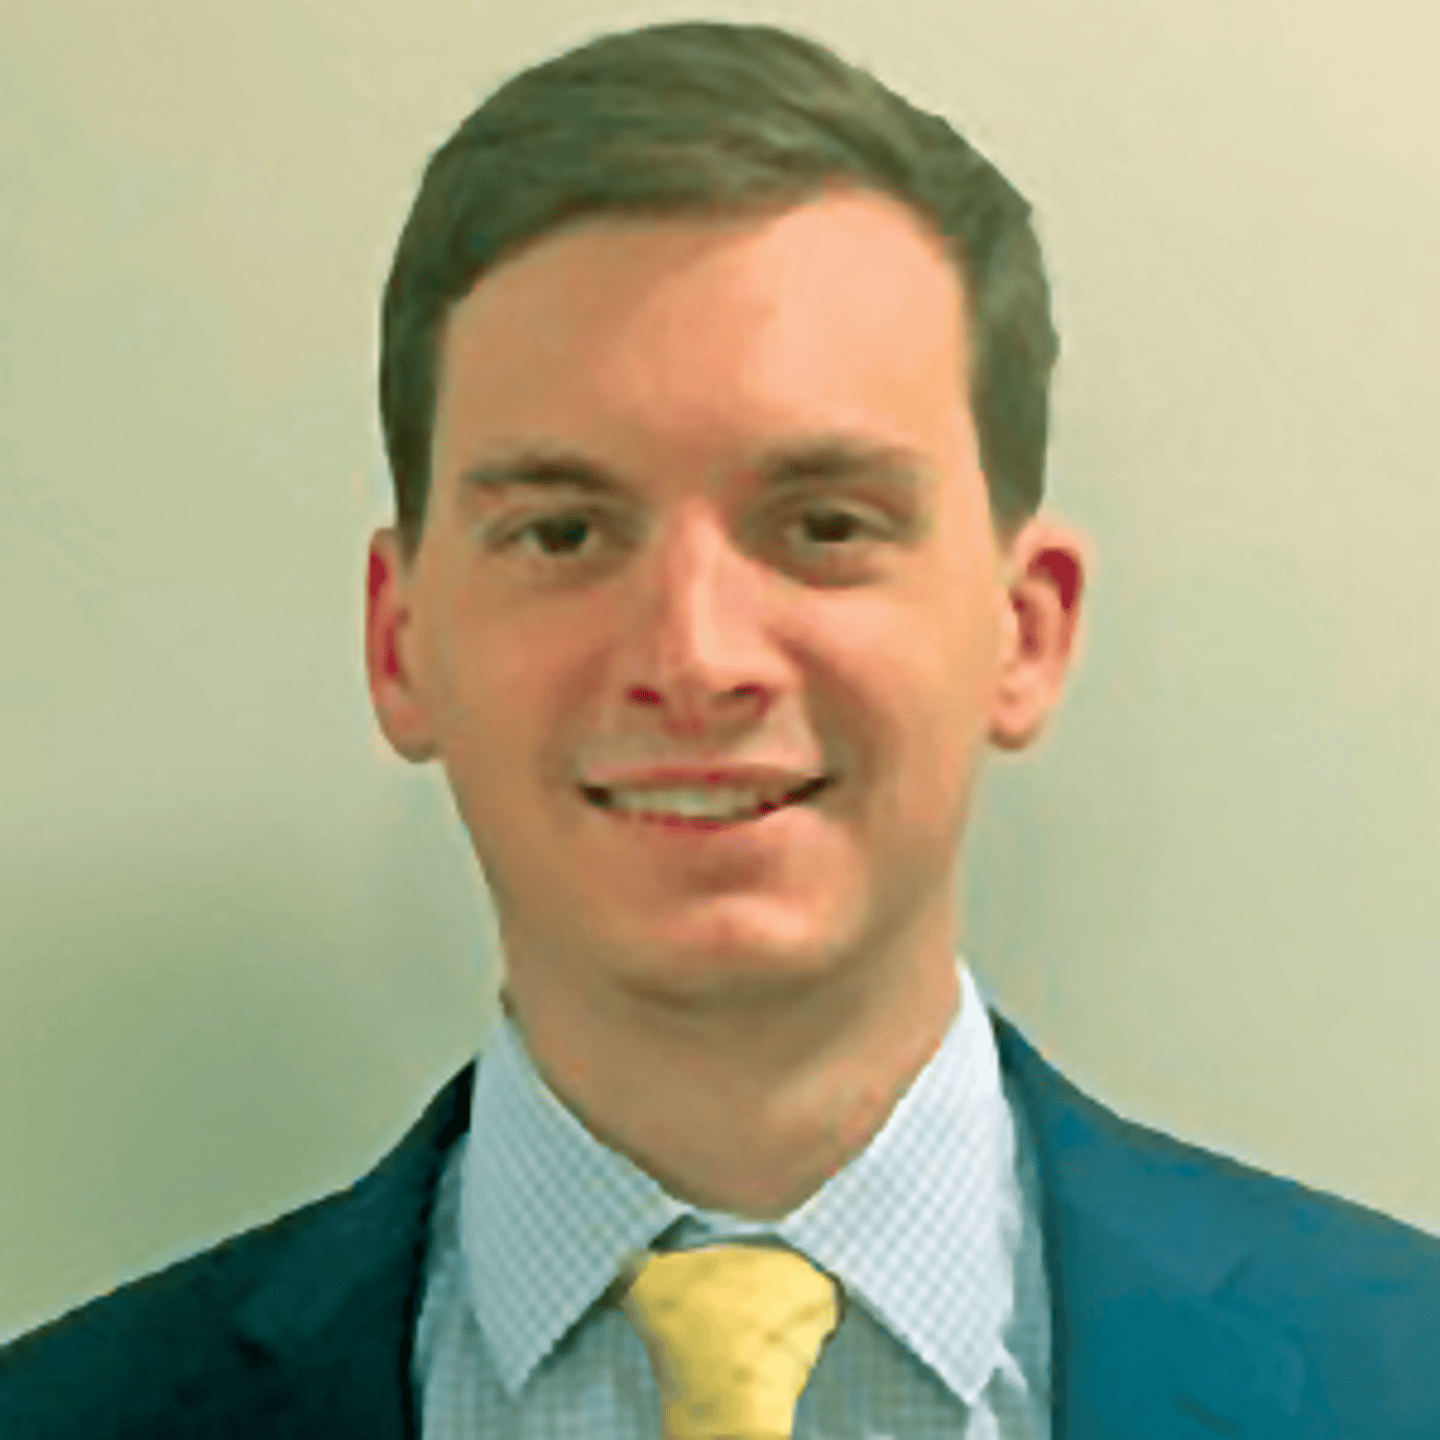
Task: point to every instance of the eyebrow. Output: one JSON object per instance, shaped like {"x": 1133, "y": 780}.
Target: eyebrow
{"x": 825, "y": 459}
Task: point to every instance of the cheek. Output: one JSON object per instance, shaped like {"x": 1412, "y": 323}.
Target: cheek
{"x": 988, "y": 630}
{"x": 944, "y": 710}
{"x": 507, "y": 708}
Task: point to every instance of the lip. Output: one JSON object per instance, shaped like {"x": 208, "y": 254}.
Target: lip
{"x": 795, "y": 802}
{"x": 766, "y": 778}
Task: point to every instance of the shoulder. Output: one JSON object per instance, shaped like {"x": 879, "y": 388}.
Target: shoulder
{"x": 1355, "y": 1292}
{"x": 1153, "y": 1242}
{"x": 1355, "y": 1281}
{"x": 315, "y": 1300}
{"x": 149, "y": 1357}
{"x": 1183, "y": 1199}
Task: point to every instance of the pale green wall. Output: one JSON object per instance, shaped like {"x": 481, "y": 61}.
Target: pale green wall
{"x": 241, "y": 944}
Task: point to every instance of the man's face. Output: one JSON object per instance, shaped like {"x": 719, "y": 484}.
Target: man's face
{"x": 859, "y": 628}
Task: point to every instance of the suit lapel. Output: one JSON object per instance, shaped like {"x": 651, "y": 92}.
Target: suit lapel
{"x": 1140, "y": 1238}
{"x": 332, "y": 1326}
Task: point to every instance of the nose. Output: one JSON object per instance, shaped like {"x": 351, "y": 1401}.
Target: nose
{"x": 703, "y": 640}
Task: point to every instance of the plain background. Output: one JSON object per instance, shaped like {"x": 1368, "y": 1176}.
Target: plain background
{"x": 241, "y": 944}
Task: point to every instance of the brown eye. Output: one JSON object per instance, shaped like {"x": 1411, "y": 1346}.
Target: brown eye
{"x": 832, "y": 533}
{"x": 563, "y": 531}
{"x": 826, "y": 530}
{"x": 828, "y": 534}
{"x": 556, "y": 535}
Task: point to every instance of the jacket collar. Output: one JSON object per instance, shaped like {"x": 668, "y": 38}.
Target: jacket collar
{"x": 1141, "y": 1235}
{"x": 332, "y": 1321}
{"x": 1138, "y": 1247}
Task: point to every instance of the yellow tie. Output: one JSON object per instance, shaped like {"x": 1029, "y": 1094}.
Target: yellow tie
{"x": 732, "y": 1332}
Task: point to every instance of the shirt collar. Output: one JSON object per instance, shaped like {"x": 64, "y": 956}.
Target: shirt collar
{"x": 913, "y": 1226}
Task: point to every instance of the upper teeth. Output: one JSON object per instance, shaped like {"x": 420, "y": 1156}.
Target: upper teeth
{"x": 713, "y": 802}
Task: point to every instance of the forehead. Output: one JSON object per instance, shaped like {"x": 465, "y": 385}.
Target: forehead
{"x": 842, "y": 313}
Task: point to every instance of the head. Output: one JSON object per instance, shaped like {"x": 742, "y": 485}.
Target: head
{"x": 789, "y": 339}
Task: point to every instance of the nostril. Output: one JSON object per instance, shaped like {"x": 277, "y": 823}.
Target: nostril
{"x": 596, "y": 795}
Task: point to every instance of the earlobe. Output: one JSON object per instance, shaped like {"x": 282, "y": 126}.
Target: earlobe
{"x": 1041, "y": 630}
{"x": 1018, "y": 710}
{"x": 393, "y": 691}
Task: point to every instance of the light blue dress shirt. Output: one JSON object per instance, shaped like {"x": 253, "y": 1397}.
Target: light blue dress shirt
{"x": 934, "y": 1231}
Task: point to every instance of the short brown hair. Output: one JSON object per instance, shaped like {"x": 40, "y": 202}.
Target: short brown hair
{"x": 702, "y": 117}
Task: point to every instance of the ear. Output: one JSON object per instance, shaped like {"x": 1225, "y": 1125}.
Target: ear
{"x": 1047, "y": 567}
{"x": 389, "y": 650}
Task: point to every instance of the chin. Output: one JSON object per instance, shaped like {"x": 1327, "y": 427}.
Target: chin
{"x": 729, "y": 945}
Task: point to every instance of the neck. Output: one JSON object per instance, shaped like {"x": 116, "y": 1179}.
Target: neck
{"x": 744, "y": 1108}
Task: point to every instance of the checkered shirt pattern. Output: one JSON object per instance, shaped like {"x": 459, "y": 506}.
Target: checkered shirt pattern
{"x": 934, "y": 1231}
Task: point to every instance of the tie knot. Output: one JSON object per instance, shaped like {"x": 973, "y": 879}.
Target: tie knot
{"x": 732, "y": 1332}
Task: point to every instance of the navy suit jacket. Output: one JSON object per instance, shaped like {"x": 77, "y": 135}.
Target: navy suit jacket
{"x": 1192, "y": 1298}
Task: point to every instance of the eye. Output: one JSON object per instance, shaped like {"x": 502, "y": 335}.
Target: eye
{"x": 827, "y": 528}
{"x": 561, "y": 528}
{"x": 562, "y": 533}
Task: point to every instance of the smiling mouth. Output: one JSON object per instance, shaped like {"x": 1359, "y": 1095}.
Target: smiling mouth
{"x": 601, "y": 799}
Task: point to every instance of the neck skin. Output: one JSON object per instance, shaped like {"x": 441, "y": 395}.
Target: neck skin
{"x": 745, "y": 1109}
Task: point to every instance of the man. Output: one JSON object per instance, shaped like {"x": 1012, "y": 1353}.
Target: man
{"x": 714, "y": 382}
